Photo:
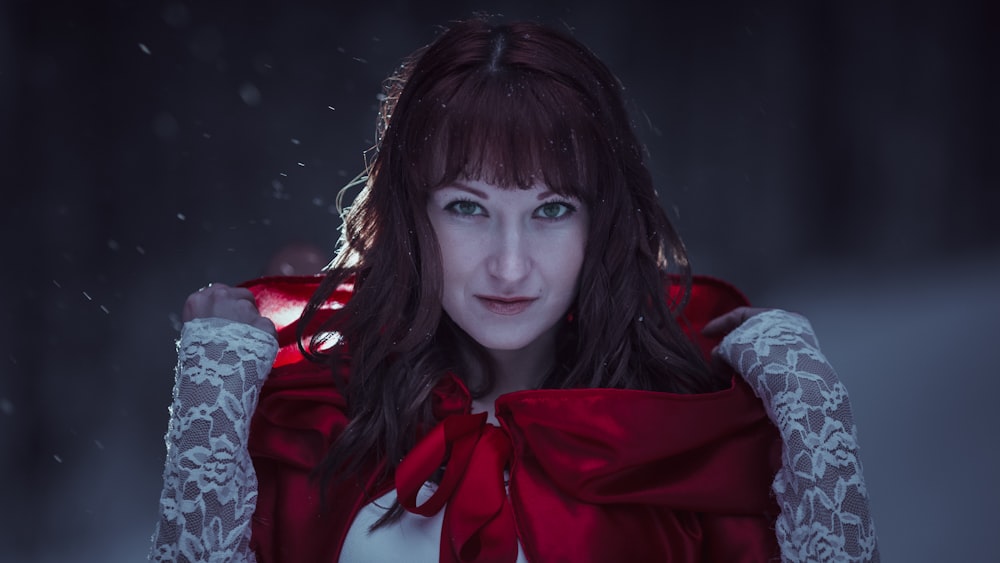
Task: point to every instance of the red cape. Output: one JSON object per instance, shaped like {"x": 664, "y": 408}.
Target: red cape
{"x": 595, "y": 474}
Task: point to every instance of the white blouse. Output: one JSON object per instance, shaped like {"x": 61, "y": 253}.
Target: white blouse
{"x": 414, "y": 538}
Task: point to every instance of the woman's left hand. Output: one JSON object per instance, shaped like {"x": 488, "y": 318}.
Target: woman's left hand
{"x": 724, "y": 324}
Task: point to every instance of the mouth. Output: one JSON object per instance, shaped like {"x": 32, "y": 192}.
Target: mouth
{"x": 505, "y": 305}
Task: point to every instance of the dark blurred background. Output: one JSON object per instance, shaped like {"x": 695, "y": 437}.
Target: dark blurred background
{"x": 838, "y": 159}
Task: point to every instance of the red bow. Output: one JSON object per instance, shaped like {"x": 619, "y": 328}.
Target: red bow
{"x": 478, "y": 520}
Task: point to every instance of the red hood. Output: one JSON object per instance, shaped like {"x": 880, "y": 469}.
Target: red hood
{"x": 595, "y": 474}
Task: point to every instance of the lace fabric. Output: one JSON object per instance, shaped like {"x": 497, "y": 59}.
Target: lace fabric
{"x": 210, "y": 487}
{"x": 209, "y": 484}
{"x": 820, "y": 487}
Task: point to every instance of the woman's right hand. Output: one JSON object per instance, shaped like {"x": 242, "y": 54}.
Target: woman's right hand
{"x": 222, "y": 301}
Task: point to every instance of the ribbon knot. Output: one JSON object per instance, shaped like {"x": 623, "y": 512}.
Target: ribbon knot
{"x": 478, "y": 519}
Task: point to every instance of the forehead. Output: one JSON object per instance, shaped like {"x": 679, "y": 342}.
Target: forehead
{"x": 508, "y": 131}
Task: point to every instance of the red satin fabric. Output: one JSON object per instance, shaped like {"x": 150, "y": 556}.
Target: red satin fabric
{"x": 478, "y": 521}
{"x": 594, "y": 474}
{"x": 650, "y": 466}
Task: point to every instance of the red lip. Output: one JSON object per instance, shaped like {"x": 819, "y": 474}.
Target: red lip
{"x": 505, "y": 305}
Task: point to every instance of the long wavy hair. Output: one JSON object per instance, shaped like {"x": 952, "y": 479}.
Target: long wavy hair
{"x": 509, "y": 104}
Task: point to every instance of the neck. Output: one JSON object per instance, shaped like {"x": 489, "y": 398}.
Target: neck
{"x": 517, "y": 370}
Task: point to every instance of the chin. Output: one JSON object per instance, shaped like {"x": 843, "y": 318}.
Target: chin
{"x": 503, "y": 344}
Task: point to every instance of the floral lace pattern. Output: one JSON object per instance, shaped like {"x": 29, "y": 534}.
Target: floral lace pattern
{"x": 820, "y": 488}
{"x": 210, "y": 487}
{"x": 209, "y": 484}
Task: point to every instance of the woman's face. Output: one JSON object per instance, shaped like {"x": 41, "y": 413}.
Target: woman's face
{"x": 511, "y": 259}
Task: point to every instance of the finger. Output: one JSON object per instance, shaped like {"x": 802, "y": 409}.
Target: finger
{"x": 266, "y": 325}
{"x": 221, "y": 293}
{"x": 203, "y": 302}
{"x": 241, "y": 293}
{"x": 194, "y": 305}
{"x": 247, "y": 309}
{"x": 727, "y": 323}
{"x": 213, "y": 286}
{"x": 724, "y": 324}
{"x": 187, "y": 311}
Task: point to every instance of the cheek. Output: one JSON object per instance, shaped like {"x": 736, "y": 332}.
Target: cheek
{"x": 457, "y": 258}
{"x": 563, "y": 262}
{"x": 572, "y": 268}
{"x": 450, "y": 277}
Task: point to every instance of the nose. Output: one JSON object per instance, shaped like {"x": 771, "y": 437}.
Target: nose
{"x": 510, "y": 255}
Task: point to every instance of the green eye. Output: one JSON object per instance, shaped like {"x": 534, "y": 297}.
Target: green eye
{"x": 554, "y": 210}
{"x": 464, "y": 207}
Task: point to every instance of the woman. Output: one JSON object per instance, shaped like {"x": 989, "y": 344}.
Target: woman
{"x": 515, "y": 375}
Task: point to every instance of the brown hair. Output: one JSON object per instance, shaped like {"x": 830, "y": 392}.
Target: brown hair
{"x": 508, "y": 104}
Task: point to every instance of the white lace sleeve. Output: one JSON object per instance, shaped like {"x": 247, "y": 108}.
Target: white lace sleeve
{"x": 820, "y": 489}
{"x": 209, "y": 485}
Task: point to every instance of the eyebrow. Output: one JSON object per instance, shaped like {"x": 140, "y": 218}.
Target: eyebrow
{"x": 460, "y": 185}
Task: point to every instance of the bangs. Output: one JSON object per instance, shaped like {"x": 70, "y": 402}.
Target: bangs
{"x": 506, "y": 128}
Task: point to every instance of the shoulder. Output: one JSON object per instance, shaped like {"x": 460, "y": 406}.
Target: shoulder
{"x": 301, "y": 411}
{"x": 283, "y": 299}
